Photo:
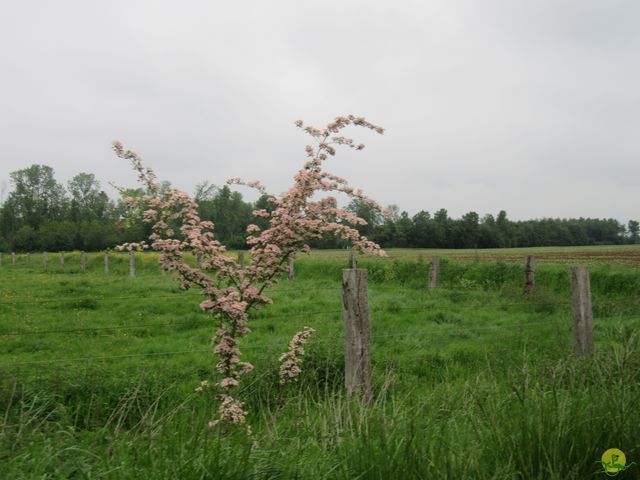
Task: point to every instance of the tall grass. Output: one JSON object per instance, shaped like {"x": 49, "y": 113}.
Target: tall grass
{"x": 476, "y": 382}
{"x": 540, "y": 420}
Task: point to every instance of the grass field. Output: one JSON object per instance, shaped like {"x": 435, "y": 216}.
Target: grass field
{"x": 471, "y": 380}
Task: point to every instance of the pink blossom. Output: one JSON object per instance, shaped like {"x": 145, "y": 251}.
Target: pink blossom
{"x": 291, "y": 360}
{"x": 228, "y": 382}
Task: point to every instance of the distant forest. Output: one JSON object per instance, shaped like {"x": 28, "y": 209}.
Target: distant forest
{"x": 41, "y": 214}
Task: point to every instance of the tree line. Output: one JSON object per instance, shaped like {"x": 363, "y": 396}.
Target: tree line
{"x": 41, "y": 214}
{"x": 439, "y": 230}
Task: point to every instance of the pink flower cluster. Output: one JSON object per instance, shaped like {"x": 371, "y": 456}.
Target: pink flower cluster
{"x": 291, "y": 360}
{"x": 132, "y": 247}
{"x": 230, "y": 411}
{"x": 232, "y": 290}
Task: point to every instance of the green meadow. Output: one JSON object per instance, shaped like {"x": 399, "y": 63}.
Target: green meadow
{"x": 472, "y": 380}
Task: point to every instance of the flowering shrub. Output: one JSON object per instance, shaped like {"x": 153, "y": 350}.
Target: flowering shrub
{"x": 232, "y": 290}
{"x": 291, "y": 360}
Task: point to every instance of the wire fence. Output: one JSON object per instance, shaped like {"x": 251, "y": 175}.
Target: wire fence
{"x": 265, "y": 345}
{"x": 447, "y": 330}
{"x": 178, "y": 296}
{"x": 557, "y": 319}
{"x": 430, "y": 307}
{"x": 191, "y": 296}
{"x": 182, "y": 297}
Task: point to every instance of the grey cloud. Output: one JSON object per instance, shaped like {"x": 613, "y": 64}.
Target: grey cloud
{"x": 482, "y": 100}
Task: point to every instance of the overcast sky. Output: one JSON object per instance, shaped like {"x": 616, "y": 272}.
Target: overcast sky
{"x": 528, "y": 106}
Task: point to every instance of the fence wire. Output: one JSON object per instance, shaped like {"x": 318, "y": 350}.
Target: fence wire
{"x": 447, "y": 330}
{"x": 431, "y": 308}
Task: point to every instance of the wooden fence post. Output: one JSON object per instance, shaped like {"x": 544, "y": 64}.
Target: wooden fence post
{"x": 582, "y": 312}
{"x": 132, "y": 263}
{"x": 241, "y": 259}
{"x": 106, "y": 262}
{"x": 529, "y": 273}
{"x": 357, "y": 333}
{"x": 62, "y": 259}
{"x": 434, "y": 270}
{"x": 13, "y": 258}
{"x": 353, "y": 260}
{"x": 83, "y": 261}
{"x": 198, "y": 260}
{"x": 45, "y": 261}
{"x": 290, "y": 275}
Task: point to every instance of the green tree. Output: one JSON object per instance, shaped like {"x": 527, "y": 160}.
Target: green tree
{"x": 403, "y": 230}
{"x": 37, "y": 196}
{"x": 205, "y": 191}
{"x": 634, "y": 231}
{"x": 130, "y": 224}
{"x": 488, "y": 235}
{"x": 365, "y": 211}
{"x": 470, "y": 230}
{"x": 93, "y": 213}
{"x": 9, "y": 223}
{"x": 386, "y": 233}
{"x": 97, "y": 235}
{"x": 505, "y": 230}
{"x": 57, "y": 235}
{"x": 229, "y": 212}
{"x": 26, "y": 239}
{"x": 442, "y": 227}
{"x": 88, "y": 201}
{"x": 422, "y": 231}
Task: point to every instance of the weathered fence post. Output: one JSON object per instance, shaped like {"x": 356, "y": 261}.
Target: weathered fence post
{"x": 353, "y": 259}
{"x": 106, "y": 262}
{"x": 529, "y": 273}
{"x": 434, "y": 270}
{"x": 582, "y": 312}
{"x": 62, "y": 259}
{"x": 241, "y": 259}
{"x": 13, "y": 258}
{"x": 132, "y": 263}
{"x": 83, "y": 261}
{"x": 198, "y": 260}
{"x": 45, "y": 261}
{"x": 357, "y": 333}
{"x": 290, "y": 275}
